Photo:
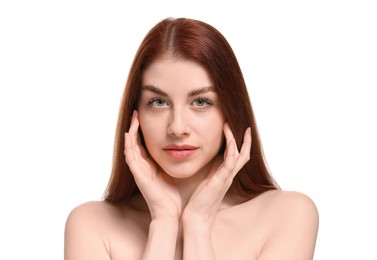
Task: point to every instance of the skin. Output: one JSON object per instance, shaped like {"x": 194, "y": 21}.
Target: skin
{"x": 185, "y": 210}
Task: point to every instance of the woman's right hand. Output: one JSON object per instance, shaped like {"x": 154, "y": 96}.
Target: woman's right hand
{"x": 158, "y": 189}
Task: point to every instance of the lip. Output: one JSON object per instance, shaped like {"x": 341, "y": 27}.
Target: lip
{"x": 180, "y": 151}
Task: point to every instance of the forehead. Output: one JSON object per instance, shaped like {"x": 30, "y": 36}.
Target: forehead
{"x": 175, "y": 72}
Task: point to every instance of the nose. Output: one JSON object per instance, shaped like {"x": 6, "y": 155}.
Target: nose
{"x": 179, "y": 123}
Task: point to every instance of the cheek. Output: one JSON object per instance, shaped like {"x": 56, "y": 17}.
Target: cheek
{"x": 212, "y": 130}
{"x": 217, "y": 138}
{"x": 151, "y": 127}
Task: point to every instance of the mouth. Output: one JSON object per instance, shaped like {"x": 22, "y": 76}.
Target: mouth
{"x": 180, "y": 151}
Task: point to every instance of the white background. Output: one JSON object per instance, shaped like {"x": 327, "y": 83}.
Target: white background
{"x": 310, "y": 67}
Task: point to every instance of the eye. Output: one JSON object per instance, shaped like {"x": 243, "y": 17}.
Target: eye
{"x": 157, "y": 103}
{"x": 202, "y": 102}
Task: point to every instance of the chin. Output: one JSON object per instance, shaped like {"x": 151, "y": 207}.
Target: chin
{"x": 187, "y": 170}
{"x": 179, "y": 174}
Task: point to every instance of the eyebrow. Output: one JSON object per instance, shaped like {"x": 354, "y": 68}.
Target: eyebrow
{"x": 154, "y": 89}
{"x": 201, "y": 91}
{"x": 192, "y": 93}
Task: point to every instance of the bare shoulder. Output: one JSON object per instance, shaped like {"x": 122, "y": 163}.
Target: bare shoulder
{"x": 292, "y": 221}
{"x": 91, "y": 215}
{"x": 289, "y": 202}
{"x": 90, "y": 211}
{"x": 103, "y": 230}
{"x": 100, "y": 216}
{"x": 82, "y": 238}
{"x": 288, "y": 209}
{"x": 85, "y": 231}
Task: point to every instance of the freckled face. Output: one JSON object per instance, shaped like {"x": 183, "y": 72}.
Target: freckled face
{"x": 180, "y": 116}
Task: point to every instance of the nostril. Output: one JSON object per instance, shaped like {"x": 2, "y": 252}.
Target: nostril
{"x": 178, "y": 125}
{"x": 176, "y": 129}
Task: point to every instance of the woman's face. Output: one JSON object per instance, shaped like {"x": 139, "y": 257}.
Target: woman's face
{"x": 180, "y": 116}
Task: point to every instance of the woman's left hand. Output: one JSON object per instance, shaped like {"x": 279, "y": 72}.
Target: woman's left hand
{"x": 206, "y": 199}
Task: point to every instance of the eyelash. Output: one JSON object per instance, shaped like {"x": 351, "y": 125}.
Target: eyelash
{"x": 152, "y": 103}
{"x": 206, "y": 100}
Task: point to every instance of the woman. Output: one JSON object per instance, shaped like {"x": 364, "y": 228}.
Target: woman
{"x": 189, "y": 179}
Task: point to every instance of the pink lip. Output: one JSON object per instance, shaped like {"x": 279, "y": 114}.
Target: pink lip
{"x": 180, "y": 151}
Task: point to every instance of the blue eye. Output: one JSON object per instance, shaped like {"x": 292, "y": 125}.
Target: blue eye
{"x": 157, "y": 103}
{"x": 202, "y": 102}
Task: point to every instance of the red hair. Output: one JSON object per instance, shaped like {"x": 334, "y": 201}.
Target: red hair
{"x": 197, "y": 41}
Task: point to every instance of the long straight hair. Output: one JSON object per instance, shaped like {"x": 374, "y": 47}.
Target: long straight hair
{"x": 199, "y": 42}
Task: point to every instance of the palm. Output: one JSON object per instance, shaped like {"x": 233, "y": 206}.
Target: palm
{"x": 157, "y": 188}
{"x": 207, "y": 197}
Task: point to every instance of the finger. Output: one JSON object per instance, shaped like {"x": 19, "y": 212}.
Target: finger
{"x": 134, "y": 132}
{"x": 231, "y": 156}
{"x": 140, "y": 149}
{"x": 222, "y": 175}
{"x": 217, "y": 163}
{"x": 221, "y": 178}
{"x": 133, "y": 160}
{"x": 244, "y": 155}
{"x": 129, "y": 149}
{"x": 134, "y": 126}
{"x": 246, "y": 145}
{"x": 228, "y": 133}
{"x": 230, "y": 150}
{"x": 134, "y": 129}
{"x": 132, "y": 151}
